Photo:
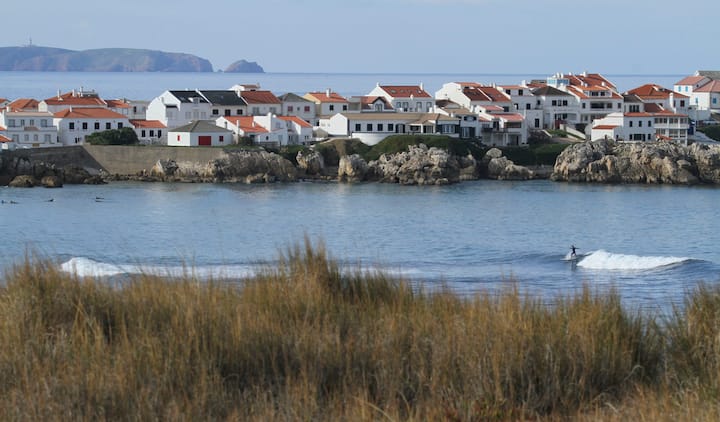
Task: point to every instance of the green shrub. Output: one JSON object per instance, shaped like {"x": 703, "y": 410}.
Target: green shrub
{"x": 334, "y": 149}
{"x": 712, "y": 131}
{"x": 124, "y": 136}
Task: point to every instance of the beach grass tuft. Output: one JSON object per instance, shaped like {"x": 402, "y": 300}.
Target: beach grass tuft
{"x": 308, "y": 340}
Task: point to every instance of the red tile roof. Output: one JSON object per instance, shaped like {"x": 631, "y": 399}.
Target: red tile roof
{"x": 653, "y": 108}
{"x": 246, "y": 124}
{"x": 117, "y": 104}
{"x": 405, "y": 91}
{"x": 88, "y": 113}
{"x": 4, "y": 139}
{"x": 259, "y": 97}
{"x": 24, "y": 104}
{"x": 605, "y": 127}
{"x": 295, "y": 119}
{"x": 322, "y": 97}
{"x": 510, "y": 117}
{"x": 638, "y": 114}
{"x": 477, "y": 92}
{"x": 74, "y": 99}
{"x": 713, "y": 86}
{"x": 654, "y": 92}
{"x": 148, "y": 124}
{"x": 690, "y": 80}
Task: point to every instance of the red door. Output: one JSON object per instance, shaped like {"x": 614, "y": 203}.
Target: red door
{"x": 204, "y": 141}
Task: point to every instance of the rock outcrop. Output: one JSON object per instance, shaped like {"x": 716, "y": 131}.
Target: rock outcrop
{"x": 45, "y": 174}
{"x": 419, "y": 165}
{"x": 501, "y": 168}
{"x": 311, "y": 163}
{"x": 236, "y": 166}
{"x": 605, "y": 161}
{"x": 352, "y": 168}
{"x": 244, "y": 66}
{"x": 23, "y": 181}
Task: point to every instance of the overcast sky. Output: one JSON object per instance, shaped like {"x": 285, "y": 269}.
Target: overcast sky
{"x": 390, "y": 36}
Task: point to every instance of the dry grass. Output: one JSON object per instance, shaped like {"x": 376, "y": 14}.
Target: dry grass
{"x": 305, "y": 341}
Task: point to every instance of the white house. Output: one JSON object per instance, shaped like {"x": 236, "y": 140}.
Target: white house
{"x": 558, "y": 107}
{"x": 662, "y": 97}
{"x": 327, "y": 103}
{"x": 524, "y": 103}
{"x": 629, "y": 127}
{"x": 199, "y": 133}
{"x": 224, "y": 103}
{"x": 149, "y": 132}
{"x": 29, "y": 129}
{"x": 405, "y": 98}
{"x": 75, "y": 99}
{"x": 370, "y": 104}
{"x": 470, "y": 125}
{"x": 371, "y": 128}
{"x": 178, "y": 108}
{"x": 707, "y": 100}
{"x": 269, "y": 131}
{"x": 24, "y": 104}
{"x": 295, "y": 105}
{"x": 261, "y": 102}
{"x": 74, "y": 124}
{"x": 473, "y": 96}
{"x": 299, "y": 131}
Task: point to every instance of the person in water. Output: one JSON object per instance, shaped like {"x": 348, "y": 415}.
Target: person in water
{"x": 572, "y": 251}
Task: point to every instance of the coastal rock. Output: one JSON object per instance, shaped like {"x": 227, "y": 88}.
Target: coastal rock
{"x": 23, "y": 181}
{"x": 501, "y": 168}
{"x": 236, "y": 166}
{"x": 419, "y": 165}
{"x": 164, "y": 169}
{"x": 73, "y": 175}
{"x": 605, "y": 161}
{"x": 51, "y": 182}
{"x": 311, "y": 162}
{"x": 352, "y": 168}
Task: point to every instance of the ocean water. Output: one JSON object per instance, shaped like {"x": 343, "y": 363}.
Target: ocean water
{"x": 651, "y": 243}
{"x": 146, "y": 86}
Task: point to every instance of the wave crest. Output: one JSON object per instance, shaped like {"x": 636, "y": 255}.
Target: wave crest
{"x": 603, "y": 260}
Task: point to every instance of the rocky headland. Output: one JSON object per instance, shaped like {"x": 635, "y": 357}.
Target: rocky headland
{"x": 610, "y": 162}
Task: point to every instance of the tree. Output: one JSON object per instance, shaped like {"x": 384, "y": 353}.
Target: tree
{"x": 124, "y": 136}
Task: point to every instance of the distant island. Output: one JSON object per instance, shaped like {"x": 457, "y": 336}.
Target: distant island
{"x": 50, "y": 59}
{"x": 244, "y": 66}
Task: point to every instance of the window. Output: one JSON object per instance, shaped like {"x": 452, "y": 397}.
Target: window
{"x": 215, "y": 112}
{"x": 152, "y": 133}
{"x": 84, "y": 125}
{"x": 26, "y": 137}
{"x": 35, "y": 138}
{"x": 649, "y": 123}
{"x": 22, "y": 122}
{"x": 120, "y": 125}
{"x": 48, "y": 139}
{"x": 11, "y": 123}
{"x": 273, "y": 110}
{"x": 537, "y": 123}
{"x": 97, "y": 125}
{"x": 554, "y": 102}
{"x": 584, "y": 105}
{"x": 358, "y": 127}
{"x": 527, "y": 106}
{"x": 344, "y": 107}
{"x": 331, "y": 107}
{"x": 640, "y": 123}
{"x": 178, "y": 138}
{"x": 228, "y": 112}
{"x": 391, "y": 127}
{"x": 142, "y": 133}
{"x": 380, "y": 127}
{"x": 221, "y": 138}
{"x": 369, "y": 127}
{"x": 564, "y": 102}
{"x": 255, "y": 111}
{"x": 239, "y": 112}
{"x": 108, "y": 126}
{"x": 682, "y": 103}
{"x": 520, "y": 92}
{"x": 16, "y": 138}
{"x": 418, "y": 106}
{"x": 71, "y": 125}
{"x": 307, "y": 109}
{"x": 159, "y": 133}
{"x": 290, "y": 109}
{"x": 630, "y": 123}
{"x": 32, "y": 122}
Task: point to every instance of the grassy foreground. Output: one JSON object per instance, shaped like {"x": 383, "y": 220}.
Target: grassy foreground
{"x": 304, "y": 341}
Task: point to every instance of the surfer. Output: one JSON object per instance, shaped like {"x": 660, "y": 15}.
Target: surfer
{"x": 573, "y": 255}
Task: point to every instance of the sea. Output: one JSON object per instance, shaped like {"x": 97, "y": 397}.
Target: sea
{"x": 651, "y": 243}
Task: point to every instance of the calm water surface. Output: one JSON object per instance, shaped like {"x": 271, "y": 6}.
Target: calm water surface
{"x": 650, "y": 242}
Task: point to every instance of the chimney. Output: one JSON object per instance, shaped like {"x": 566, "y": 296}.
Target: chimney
{"x": 421, "y": 87}
{"x": 327, "y": 92}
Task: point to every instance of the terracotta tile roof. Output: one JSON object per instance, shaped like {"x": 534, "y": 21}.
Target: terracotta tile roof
{"x": 4, "y": 139}
{"x": 322, "y": 97}
{"x": 24, "y": 104}
{"x": 74, "y": 99}
{"x": 713, "y": 86}
{"x": 295, "y": 119}
{"x": 690, "y": 80}
{"x": 638, "y": 114}
{"x": 485, "y": 93}
{"x": 588, "y": 79}
{"x": 259, "y": 97}
{"x": 246, "y": 124}
{"x": 492, "y": 108}
{"x": 117, "y": 104}
{"x": 88, "y": 113}
{"x": 405, "y": 91}
{"x": 654, "y": 92}
{"x": 148, "y": 124}
{"x": 510, "y": 117}
{"x": 2, "y": 129}
{"x": 367, "y": 102}
{"x": 653, "y": 108}
{"x": 605, "y": 127}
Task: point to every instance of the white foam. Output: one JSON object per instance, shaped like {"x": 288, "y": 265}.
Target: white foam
{"x": 603, "y": 260}
{"x": 86, "y": 267}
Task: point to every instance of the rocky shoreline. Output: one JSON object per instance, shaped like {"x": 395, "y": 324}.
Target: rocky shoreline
{"x": 589, "y": 162}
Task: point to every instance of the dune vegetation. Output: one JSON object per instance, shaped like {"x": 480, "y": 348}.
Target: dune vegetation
{"x": 304, "y": 340}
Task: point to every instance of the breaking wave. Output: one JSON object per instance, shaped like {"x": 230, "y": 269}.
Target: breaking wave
{"x": 86, "y": 267}
{"x": 603, "y": 260}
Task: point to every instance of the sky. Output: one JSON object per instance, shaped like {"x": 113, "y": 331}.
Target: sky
{"x": 391, "y": 36}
